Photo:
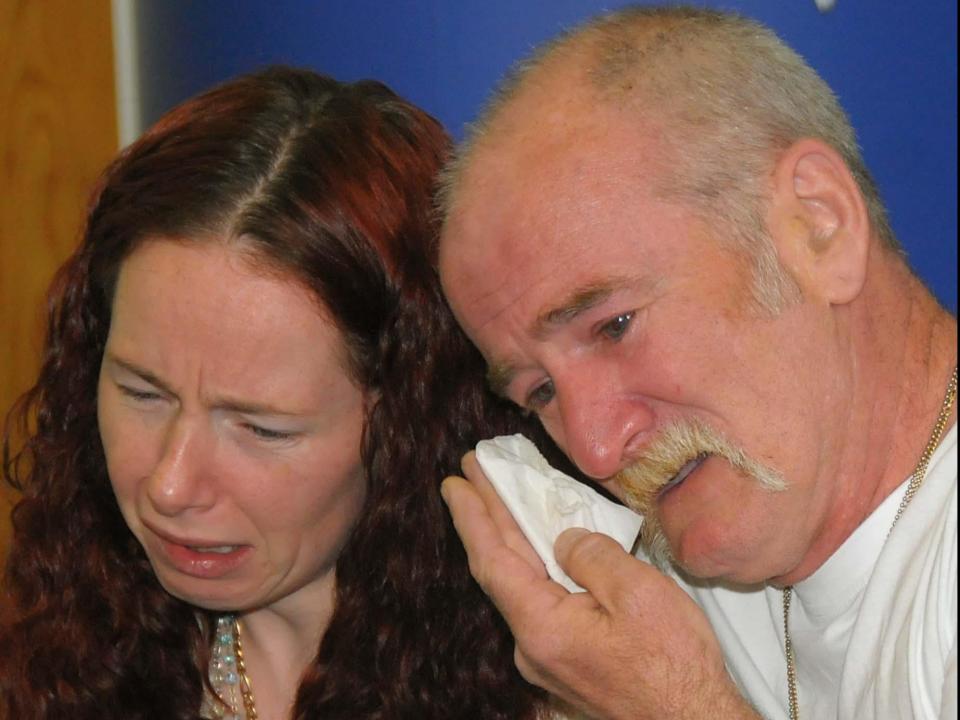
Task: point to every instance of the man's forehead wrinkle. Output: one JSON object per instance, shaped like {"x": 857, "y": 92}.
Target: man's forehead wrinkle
{"x": 528, "y": 254}
{"x": 528, "y": 196}
{"x": 507, "y": 294}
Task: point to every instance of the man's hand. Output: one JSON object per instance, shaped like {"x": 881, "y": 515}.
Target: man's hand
{"x": 634, "y": 647}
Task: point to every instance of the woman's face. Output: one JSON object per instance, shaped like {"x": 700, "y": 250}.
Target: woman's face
{"x": 230, "y": 426}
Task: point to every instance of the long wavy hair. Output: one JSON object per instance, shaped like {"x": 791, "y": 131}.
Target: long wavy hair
{"x": 329, "y": 184}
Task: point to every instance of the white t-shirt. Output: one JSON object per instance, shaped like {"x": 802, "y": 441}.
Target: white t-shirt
{"x": 874, "y": 629}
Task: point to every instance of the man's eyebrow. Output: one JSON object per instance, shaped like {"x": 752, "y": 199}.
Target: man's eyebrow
{"x": 499, "y": 377}
{"x": 575, "y": 304}
{"x": 582, "y": 299}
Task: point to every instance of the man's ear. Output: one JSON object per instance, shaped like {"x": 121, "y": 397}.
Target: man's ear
{"x": 818, "y": 221}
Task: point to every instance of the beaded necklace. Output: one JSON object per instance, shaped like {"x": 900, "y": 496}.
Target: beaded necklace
{"x": 228, "y": 675}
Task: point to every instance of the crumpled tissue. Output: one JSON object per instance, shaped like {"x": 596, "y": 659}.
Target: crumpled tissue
{"x": 545, "y": 501}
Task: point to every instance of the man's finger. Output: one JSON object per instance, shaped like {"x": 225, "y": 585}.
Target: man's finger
{"x": 512, "y": 534}
{"x": 520, "y": 590}
{"x": 598, "y": 563}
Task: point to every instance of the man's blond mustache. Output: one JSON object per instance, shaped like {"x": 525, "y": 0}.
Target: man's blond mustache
{"x": 678, "y": 444}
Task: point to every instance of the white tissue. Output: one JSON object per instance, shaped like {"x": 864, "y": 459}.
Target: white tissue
{"x": 545, "y": 501}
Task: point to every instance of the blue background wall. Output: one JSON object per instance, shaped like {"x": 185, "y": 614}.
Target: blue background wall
{"x": 893, "y": 65}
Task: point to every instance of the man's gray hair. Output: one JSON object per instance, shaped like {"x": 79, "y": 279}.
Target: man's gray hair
{"x": 726, "y": 97}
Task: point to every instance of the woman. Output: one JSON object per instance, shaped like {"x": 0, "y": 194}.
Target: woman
{"x": 251, "y": 388}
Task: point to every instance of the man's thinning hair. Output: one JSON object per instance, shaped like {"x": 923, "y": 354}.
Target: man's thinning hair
{"x": 725, "y": 96}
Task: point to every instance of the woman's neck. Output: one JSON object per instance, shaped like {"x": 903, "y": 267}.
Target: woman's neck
{"x": 280, "y": 641}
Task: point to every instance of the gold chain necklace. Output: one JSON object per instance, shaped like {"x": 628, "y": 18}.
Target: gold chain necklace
{"x": 228, "y": 675}
{"x": 246, "y": 688}
{"x": 916, "y": 478}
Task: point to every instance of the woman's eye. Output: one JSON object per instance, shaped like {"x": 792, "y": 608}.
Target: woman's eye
{"x": 139, "y": 395}
{"x": 540, "y": 396}
{"x": 617, "y": 327}
{"x": 268, "y": 434}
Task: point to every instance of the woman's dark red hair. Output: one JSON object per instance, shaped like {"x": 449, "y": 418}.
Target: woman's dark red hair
{"x": 330, "y": 184}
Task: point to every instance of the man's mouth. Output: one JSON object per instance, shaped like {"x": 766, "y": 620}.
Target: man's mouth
{"x": 683, "y": 473}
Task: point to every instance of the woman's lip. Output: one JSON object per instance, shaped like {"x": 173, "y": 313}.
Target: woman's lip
{"x": 187, "y": 542}
{"x": 184, "y": 556}
{"x": 200, "y": 564}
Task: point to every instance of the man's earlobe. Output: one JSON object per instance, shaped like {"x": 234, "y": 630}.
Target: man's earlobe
{"x": 819, "y": 221}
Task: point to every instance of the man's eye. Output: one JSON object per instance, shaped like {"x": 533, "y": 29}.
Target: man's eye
{"x": 617, "y": 327}
{"x": 540, "y": 396}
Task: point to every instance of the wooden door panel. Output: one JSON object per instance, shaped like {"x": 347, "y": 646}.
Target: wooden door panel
{"x": 57, "y": 131}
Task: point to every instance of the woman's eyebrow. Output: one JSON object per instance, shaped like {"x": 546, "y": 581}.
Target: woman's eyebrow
{"x": 140, "y": 372}
{"x": 222, "y": 403}
{"x": 246, "y": 407}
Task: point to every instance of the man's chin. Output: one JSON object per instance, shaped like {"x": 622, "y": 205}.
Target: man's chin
{"x": 672, "y": 554}
{"x": 699, "y": 567}
{"x": 654, "y": 543}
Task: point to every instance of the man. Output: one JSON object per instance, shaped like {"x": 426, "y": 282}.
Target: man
{"x": 664, "y": 241}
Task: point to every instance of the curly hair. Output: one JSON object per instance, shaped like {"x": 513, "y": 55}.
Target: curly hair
{"x": 332, "y": 184}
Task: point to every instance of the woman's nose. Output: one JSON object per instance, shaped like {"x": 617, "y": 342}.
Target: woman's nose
{"x": 179, "y": 481}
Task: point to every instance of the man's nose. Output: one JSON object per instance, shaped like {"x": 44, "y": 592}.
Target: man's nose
{"x": 180, "y": 480}
{"x": 599, "y": 424}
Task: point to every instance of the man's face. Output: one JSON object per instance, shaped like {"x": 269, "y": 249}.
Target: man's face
{"x": 615, "y": 316}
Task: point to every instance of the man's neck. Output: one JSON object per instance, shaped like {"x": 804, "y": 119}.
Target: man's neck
{"x": 903, "y": 354}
